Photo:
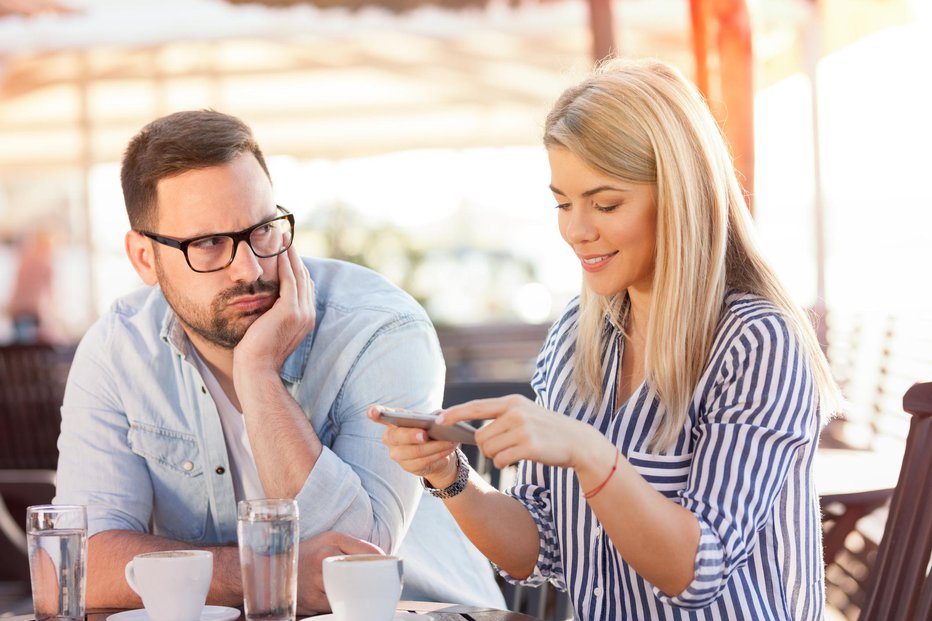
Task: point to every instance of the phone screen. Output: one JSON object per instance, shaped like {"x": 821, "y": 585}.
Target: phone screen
{"x": 460, "y": 432}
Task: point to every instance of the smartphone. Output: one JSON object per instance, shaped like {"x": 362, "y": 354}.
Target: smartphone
{"x": 461, "y": 432}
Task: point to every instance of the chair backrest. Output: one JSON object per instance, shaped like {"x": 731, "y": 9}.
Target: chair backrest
{"x": 541, "y": 602}
{"x": 491, "y": 352}
{"x": 32, "y": 385}
{"x": 901, "y": 587}
{"x": 460, "y": 392}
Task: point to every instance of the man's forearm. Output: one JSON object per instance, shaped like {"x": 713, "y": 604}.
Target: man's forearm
{"x": 109, "y": 552}
{"x": 283, "y": 441}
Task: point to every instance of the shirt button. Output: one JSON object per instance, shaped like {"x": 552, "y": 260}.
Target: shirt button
{"x": 597, "y": 591}
{"x": 598, "y": 530}
{"x": 220, "y": 470}
{"x": 204, "y": 390}
{"x": 188, "y": 466}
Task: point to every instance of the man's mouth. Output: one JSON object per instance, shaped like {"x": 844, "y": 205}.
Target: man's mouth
{"x": 251, "y": 303}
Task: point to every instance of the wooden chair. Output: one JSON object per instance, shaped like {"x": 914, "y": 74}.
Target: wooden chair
{"x": 491, "y": 352}
{"x": 32, "y": 385}
{"x": 545, "y": 602}
{"x": 901, "y": 585}
{"x": 874, "y": 357}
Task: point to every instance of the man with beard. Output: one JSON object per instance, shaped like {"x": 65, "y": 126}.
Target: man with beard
{"x": 243, "y": 371}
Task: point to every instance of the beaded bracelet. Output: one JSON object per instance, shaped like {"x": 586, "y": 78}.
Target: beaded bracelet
{"x": 590, "y": 494}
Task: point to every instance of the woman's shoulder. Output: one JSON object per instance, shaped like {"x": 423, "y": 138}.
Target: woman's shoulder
{"x": 750, "y": 317}
{"x": 749, "y": 306}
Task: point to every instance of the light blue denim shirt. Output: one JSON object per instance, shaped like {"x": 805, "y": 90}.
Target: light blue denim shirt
{"x": 141, "y": 443}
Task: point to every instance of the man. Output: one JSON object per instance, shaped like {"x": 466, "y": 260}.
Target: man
{"x": 243, "y": 371}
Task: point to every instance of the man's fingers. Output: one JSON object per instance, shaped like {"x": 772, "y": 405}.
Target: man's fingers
{"x": 298, "y": 273}
{"x": 352, "y": 545}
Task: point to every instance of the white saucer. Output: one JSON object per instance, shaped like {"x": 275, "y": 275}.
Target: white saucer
{"x": 210, "y": 613}
{"x": 399, "y": 616}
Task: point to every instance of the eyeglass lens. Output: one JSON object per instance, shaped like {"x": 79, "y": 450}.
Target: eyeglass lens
{"x": 268, "y": 240}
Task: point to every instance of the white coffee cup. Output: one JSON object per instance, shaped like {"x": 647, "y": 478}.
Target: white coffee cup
{"x": 363, "y": 586}
{"x": 173, "y": 585}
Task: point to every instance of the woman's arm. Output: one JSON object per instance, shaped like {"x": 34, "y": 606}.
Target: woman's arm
{"x": 498, "y": 525}
{"x": 656, "y": 537}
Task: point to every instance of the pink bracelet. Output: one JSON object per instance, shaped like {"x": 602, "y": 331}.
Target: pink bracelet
{"x": 590, "y": 494}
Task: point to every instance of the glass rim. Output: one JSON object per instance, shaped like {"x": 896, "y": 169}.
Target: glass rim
{"x": 265, "y": 509}
{"x": 50, "y": 507}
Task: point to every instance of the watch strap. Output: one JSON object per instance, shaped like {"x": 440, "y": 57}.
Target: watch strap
{"x": 462, "y": 476}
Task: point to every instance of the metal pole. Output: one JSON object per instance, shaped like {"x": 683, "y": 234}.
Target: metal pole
{"x": 813, "y": 39}
{"x": 87, "y": 158}
{"x": 603, "y": 29}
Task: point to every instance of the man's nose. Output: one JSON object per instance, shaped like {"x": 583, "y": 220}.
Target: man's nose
{"x": 245, "y": 266}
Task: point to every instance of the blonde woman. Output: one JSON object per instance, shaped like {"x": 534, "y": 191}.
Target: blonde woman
{"x": 666, "y": 467}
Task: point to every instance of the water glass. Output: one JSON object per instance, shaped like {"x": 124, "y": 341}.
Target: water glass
{"x": 267, "y": 530}
{"x": 57, "y": 540}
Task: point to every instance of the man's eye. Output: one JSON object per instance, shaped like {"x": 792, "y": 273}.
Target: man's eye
{"x": 563, "y": 206}
{"x": 208, "y": 243}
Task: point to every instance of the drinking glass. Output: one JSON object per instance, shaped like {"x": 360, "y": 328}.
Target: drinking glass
{"x": 57, "y": 539}
{"x": 267, "y": 530}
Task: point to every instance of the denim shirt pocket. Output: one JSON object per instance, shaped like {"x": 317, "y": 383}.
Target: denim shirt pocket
{"x": 179, "y": 507}
{"x": 667, "y": 474}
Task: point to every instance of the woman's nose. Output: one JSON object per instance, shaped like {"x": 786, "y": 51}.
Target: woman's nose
{"x": 578, "y": 228}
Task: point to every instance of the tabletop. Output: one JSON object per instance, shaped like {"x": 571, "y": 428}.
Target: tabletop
{"x": 432, "y": 610}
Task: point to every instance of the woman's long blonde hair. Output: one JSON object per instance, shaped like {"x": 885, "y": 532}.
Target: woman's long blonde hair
{"x": 643, "y": 122}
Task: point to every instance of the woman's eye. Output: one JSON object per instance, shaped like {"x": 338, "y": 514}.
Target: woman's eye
{"x": 606, "y": 208}
{"x": 563, "y": 206}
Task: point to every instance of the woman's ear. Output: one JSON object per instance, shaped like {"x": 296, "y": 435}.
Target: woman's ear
{"x": 142, "y": 255}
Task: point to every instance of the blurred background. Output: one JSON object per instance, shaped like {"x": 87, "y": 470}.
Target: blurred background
{"x": 405, "y": 136}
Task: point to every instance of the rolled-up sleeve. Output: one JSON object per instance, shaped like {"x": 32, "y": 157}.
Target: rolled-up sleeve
{"x": 756, "y": 413}
{"x": 355, "y": 487}
{"x": 96, "y": 466}
{"x": 533, "y": 492}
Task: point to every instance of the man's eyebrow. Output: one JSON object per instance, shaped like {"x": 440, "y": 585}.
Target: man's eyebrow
{"x": 263, "y": 221}
{"x": 588, "y": 193}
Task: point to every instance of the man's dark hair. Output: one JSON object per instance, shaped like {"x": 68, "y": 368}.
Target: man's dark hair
{"x": 175, "y": 144}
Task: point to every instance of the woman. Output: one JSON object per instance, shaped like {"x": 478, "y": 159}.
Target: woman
{"x": 666, "y": 468}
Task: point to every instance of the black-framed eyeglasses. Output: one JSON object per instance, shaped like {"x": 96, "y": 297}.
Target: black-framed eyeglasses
{"x": 212, "y": 253}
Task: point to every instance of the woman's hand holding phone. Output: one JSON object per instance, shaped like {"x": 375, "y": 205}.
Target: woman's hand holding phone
{"x": 417, "y": 453}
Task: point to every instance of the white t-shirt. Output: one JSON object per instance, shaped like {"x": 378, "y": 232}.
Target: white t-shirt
{"x": 246, "y": 482}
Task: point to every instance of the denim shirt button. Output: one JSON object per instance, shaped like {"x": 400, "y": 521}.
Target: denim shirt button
{"x": 220, "y": 470}
{"x": 188, "y": 466}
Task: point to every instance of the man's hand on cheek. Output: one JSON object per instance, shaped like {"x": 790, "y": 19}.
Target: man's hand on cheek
{"x": 279, "y": 331}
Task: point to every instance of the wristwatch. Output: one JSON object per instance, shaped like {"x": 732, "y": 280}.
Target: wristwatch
{"x": 462, "y": 476}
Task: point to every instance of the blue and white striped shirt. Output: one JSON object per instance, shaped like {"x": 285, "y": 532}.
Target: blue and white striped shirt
{"x": 742, "y": 465}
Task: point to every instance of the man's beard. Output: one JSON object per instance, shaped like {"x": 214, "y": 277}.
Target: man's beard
{"x": 211, "y": 324}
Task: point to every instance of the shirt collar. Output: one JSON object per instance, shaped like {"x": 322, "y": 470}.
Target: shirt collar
{"x": 172, "y": 333}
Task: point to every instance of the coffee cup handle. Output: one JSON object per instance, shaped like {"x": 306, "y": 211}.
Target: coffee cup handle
{"x": 131, "y": 577}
